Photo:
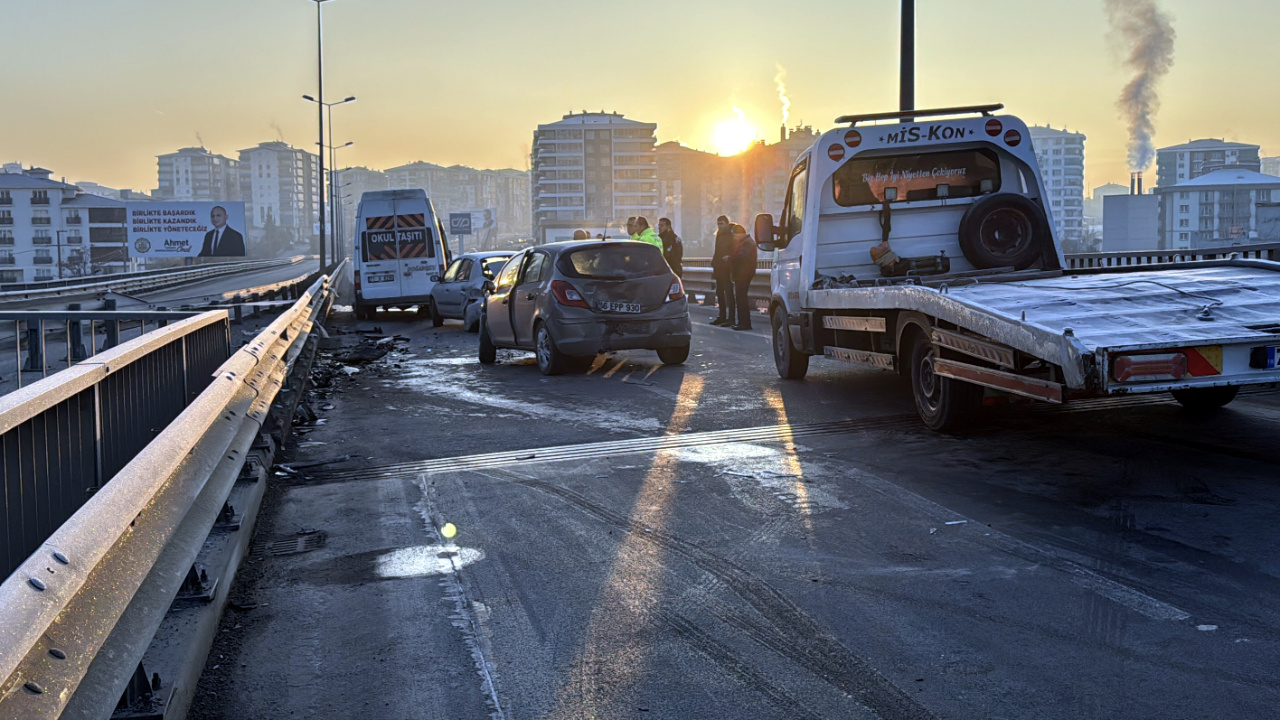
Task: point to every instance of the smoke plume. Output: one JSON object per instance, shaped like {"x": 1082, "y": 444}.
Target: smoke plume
{"x": 1148, "y": 37}
{"x": 781, "y": 81}
{"x": 279, "y": 133}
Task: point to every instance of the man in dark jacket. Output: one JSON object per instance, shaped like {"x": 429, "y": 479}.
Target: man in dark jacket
{"x": 720, "y": 272}
{"x": 672, "y": 248}
{"x": 742, "y": 268}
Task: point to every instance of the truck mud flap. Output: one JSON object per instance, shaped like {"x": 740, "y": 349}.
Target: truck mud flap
{"x": 1016, "y": 384}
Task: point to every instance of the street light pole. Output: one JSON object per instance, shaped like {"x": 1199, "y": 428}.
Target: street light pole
{"x": 320, "y": 122}
{"x": 907, "y": 81}
{"x": 323, "y": 107}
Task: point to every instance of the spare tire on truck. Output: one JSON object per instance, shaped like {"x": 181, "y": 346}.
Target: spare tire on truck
{"x": 1004, "y": 230}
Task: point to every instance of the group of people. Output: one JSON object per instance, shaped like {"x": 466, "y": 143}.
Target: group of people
{"x": 733, "y": 265}
{"x": 665, "y": 239}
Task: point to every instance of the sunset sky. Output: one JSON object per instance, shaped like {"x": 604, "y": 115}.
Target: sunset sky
{"x": 94, "y": 91}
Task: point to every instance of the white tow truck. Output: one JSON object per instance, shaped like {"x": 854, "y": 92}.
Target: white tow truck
{"x": 923, "y": 243}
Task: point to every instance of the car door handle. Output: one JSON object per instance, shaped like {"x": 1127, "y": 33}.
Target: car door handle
{"x": 530, "y": 296}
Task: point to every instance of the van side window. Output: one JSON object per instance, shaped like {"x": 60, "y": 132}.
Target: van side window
{"x": 535, "y": 269}
{"x": 507, "y": 277}
{"x": 796, "y": 195}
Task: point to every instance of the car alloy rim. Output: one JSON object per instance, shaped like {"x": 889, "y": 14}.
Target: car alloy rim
{"x": 544, "y": 347}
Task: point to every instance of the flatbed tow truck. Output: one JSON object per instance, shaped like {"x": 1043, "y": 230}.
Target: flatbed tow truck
{"x": 927, "y": 247}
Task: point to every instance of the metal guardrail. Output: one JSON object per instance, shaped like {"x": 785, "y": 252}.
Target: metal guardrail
{"x": 1080, "y": 261}
{"x": 77, "y": 615}
{"x": 698, "y": 280}
{"x": 144, "y": 281}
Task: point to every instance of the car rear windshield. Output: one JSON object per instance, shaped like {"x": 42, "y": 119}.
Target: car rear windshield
{"x": 617, "y": 261}
{"x": 918, "y": 176}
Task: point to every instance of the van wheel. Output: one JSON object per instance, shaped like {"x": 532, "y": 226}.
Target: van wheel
{"x": 1205, "y": 399}
{"x": 1004, "y": 230}
{"x": 673, "y": 355}
{"x": 436, "y": 318}
{"x": 488, "y": 351}
{"x": 944, "y": 405}
{"x": 471, "y": 318}
{"x": 365, "y": 312}
{"x": 791, "y": 363}
{"x": 550, "y": 360}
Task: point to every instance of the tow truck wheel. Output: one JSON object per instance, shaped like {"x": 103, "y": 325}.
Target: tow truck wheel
{"x": 791, "y": 363}
{"x": 1205, "y": 399}
{"x": 944, "y": 405}
{"x": 488, "y": 352}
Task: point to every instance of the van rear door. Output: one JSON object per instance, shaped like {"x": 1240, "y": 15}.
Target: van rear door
{"x": 416, "y": 246}
{"x": 379, "y": 253}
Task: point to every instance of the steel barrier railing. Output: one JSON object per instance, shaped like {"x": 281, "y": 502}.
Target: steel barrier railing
{"x": 132, "y": 283}
{"x": 78, "y": 613}
{"x": 64, "y": 437}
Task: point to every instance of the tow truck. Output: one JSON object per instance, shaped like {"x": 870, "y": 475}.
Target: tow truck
{"x": 922, "y": 242}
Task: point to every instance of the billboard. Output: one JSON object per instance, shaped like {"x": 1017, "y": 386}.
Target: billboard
{"x": 186, "y": 229}
{"x": 483, "y": 226}
{"x": 460, "y": 223}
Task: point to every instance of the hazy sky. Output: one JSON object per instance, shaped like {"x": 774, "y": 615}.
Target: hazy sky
{"x": 95, "y": 90}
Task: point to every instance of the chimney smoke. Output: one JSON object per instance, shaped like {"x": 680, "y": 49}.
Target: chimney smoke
{"x": 1148, "y": 37}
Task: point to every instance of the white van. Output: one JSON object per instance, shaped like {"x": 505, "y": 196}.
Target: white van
{"x": 400, "y": 251}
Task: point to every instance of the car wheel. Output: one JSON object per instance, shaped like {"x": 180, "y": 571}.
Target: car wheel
{"x": 471, "y": 317}
{"x": 436, "y": 318}
{"x": 673, "y": 355}
{"x": 488, "y": 351}
{"x": 944, "y": 405}
{"x": 1205, "y": 399}
{"x": 791, "y": 363}
{"x": 1004, "y": 230}
{"x": 550, "y": 360}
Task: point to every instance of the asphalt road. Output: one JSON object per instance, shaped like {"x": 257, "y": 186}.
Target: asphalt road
{"x": 708, "y": 541}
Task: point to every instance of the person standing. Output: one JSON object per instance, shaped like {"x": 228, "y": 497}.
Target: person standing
{"x": 645, "y": 234}
{"x": 743, "y": 270}
{"x": 631, "y": 227}
{"x": 672, "y": 247}
{"x": 720, "y": 272}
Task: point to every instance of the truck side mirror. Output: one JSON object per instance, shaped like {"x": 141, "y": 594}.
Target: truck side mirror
{"x": 766, "y": 234}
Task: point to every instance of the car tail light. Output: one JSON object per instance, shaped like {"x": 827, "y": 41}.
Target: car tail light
{"x": 1147, "y": 368}
{"x": 676, "y": 291}
{"x": 567, "y": 294}
{"x": 357, "y": 281}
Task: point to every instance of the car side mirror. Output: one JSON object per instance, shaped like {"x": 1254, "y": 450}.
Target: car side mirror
{"x": 487, "y": 287}
{"x": 766, "y": 233}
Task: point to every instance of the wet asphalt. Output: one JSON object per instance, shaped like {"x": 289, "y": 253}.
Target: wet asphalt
{"x": 708, "y": 541}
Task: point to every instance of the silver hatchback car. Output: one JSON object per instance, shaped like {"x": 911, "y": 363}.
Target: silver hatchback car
{"x": 570, "y": 301}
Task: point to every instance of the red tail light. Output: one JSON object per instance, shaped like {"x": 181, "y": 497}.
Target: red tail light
{"x": 567, "y": 294}
{"x": 1149, "y": 368}
{"x": 676, "y": 291}
{"x": 357, "y": 281}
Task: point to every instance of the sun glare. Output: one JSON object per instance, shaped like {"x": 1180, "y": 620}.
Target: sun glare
{"x": 733, "y": 136}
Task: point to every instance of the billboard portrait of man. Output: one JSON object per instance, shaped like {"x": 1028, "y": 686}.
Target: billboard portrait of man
{"x": 222, "y": 241}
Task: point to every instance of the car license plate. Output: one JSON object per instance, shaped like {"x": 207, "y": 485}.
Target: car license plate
{"x": 382, "y": 277}
{"x": 621, "y": 307}
{"x": 1265, "y": 358}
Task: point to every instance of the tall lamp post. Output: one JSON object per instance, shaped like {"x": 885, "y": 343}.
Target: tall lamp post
{"x": 332, "y": 162}
{"x": 333, "y": 179}
{"x": 907, "y": 81}
{"x": 320, "y": 118}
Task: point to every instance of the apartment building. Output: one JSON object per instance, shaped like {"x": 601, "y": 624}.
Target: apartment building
{"x": 195, "y": 174}
{"x": 1231, "y": 206}
{"x": 1179, "y": 163}
{"x": 50, "y": 230}
{"x": 1060, "y": 154}
{"x": 592, "y": 170}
